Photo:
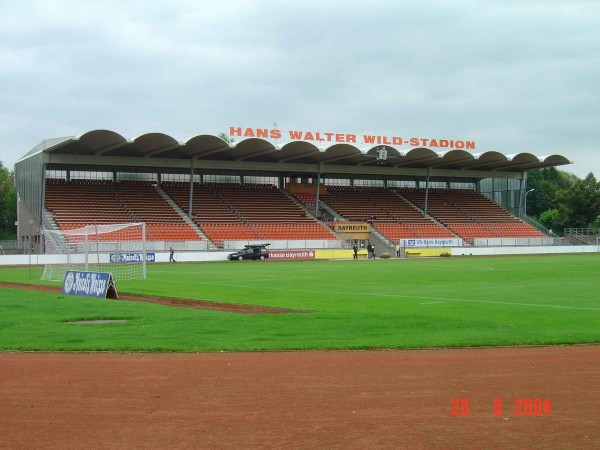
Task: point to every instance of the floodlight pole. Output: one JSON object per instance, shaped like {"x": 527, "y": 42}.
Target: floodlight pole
{"x": 525, "y": 201}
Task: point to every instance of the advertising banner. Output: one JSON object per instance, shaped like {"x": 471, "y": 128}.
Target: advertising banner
{"x": 89, "y": 284}
{"x": 433, "y": 242}
{"x": 291, "y": 254}
{"x": 349, "y": 227}
{"x": 131, "y": 257}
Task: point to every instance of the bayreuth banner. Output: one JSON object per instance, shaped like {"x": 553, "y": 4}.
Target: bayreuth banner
{"x": 348, "y": 227}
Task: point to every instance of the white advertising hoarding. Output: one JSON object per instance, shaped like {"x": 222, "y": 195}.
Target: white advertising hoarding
{"x": 432, "y": 242}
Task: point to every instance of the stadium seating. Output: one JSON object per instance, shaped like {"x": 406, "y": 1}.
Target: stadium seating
{"x": 390, "y": 214}
{"x": 231, "y": 211}
{"x": 83, "y": 203}
{"x": 469, "y": 214}
{"x": 77, "y": 203}
{"x": 306, "y": 198}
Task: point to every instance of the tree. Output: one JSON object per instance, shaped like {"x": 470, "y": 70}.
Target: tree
{"x": 226, "y": 138}
{"x": 550, "y": 219}
{"x": 8, "y": 203}
{"x": 546, "y": 182}
{"x": 579, "y": 205}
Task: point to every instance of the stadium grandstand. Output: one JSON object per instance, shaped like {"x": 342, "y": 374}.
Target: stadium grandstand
{"x": 206, "y": 194}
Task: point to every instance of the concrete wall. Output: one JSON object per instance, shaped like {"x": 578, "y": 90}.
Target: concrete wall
{"x": 24, "y": 260}
{"x": 485, "y": 251}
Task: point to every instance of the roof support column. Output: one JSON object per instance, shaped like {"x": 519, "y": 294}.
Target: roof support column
{"x": 522, "y": 194}
{"x": 318, "y": 191}
{"x": 191, "y": 196}
{"x": 40, "y": 219}
{"x": 426, "y": 190}
{"x": 520, "y": 198}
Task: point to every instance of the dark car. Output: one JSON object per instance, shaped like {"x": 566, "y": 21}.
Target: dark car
{"x": 258, "y": 251}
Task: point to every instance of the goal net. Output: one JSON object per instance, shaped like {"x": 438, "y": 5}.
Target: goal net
{"x": 117, "y": 248}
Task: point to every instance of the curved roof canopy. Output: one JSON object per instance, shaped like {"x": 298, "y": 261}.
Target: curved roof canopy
{"x": 164, "y": 150}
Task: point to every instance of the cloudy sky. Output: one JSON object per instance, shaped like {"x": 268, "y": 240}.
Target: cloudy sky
{"x": 513, "y": 76}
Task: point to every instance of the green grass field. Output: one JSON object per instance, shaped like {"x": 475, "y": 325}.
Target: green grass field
{"x": 460, "y": 301}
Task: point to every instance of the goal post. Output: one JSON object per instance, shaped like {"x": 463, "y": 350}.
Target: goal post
{"x": 116, "y": 248}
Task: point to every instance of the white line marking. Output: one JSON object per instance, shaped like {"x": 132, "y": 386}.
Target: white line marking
{"x": 412, "y": 297}
{"x": 538, "y": 305}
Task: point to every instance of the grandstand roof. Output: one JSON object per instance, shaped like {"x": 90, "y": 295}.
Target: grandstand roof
{"x": 105, "y": 147}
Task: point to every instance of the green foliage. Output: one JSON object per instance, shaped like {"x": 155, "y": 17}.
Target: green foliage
{"x": 226, "y": 138}
{"x": 546, "y": 182}
{"x": 460, "y": 301}
{"x": 550, "y": 219}
{"x": 8, "y": 204}
{"x": 562, "y": 199}
{"x": 579, "y": 205}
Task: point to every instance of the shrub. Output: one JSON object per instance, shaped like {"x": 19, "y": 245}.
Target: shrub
{"x": 445, "y": 254}
{"x": 384, "y": 255}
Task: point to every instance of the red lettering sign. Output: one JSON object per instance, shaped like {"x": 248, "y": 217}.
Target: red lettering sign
{"x": 320, "y": 136}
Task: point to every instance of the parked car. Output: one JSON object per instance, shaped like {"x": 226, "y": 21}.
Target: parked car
{"x": 258, "y": 251}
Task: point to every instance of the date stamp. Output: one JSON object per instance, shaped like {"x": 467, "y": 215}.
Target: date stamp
{"x": 520, "y": 407}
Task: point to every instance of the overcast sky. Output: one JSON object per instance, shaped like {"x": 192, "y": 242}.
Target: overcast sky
{"x": 513, "y": 76}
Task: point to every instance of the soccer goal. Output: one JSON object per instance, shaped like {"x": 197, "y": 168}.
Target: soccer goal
{"x": 116, "y": 248}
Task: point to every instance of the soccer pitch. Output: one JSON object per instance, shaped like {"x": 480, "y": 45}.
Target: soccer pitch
{"x": 414, "y": 303}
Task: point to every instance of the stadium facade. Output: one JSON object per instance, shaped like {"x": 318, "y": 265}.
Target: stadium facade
{"x": 105, "y": 154}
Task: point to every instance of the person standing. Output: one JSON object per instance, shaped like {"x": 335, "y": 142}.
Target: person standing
{"x": 171, "y": 255}
{"x": 397, "y": 250}
{"x": 369, "y": 251}
{"x": 355, "y": 248}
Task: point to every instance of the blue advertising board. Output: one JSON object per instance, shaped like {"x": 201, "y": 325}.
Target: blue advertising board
{"x": 131, "y": 257}
{"x": 89, "y": 284}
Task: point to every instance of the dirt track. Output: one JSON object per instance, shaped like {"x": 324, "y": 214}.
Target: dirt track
{"x": 300, "y": 400}
{"x": 171, "y": 301}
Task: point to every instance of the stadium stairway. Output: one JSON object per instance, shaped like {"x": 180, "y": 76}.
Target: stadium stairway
{"x": 538, "y": 226}
{"x": 332, "y": 212}
{"x": 381, "y": 243}
{"x": 433, "y": 219}
{"x": 310, "y": 212}
{"x": 49, "y": 222}
{"x": 186, "y": 219}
